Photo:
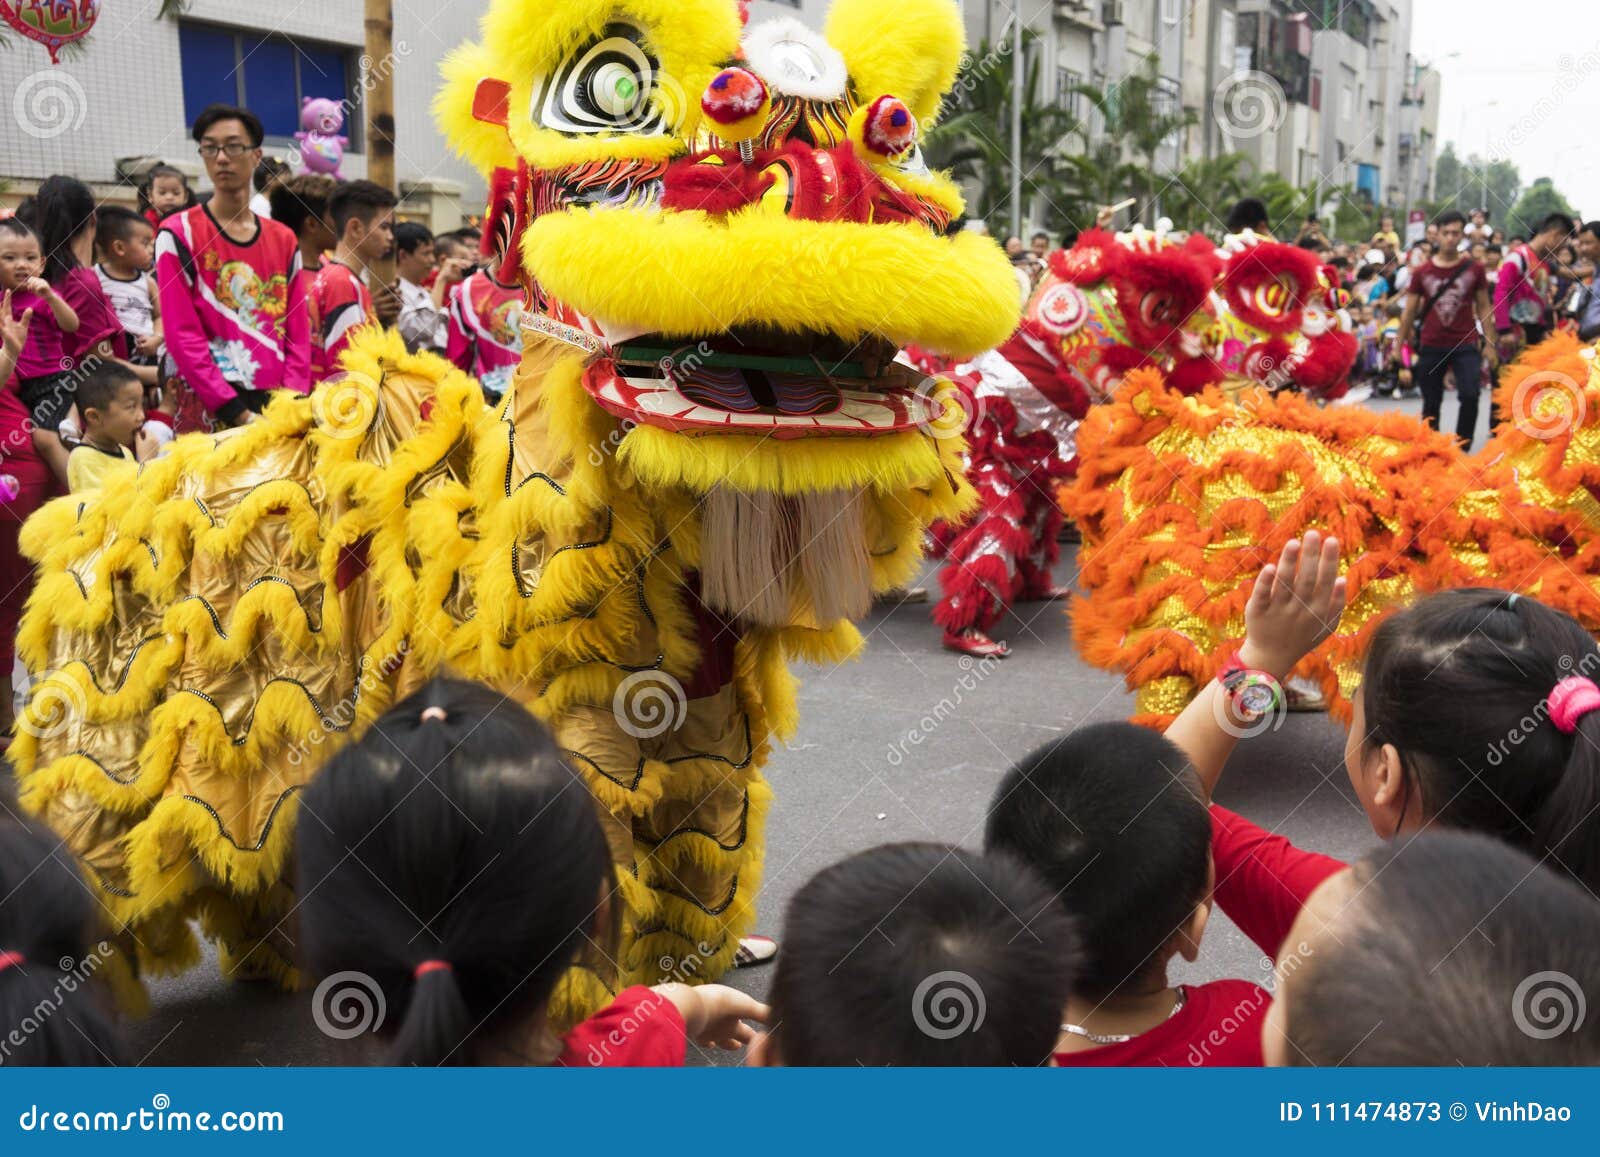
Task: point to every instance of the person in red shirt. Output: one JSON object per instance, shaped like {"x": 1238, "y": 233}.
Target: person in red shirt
{"x": 482, "y": 881}
{"x": 1112, "y": 819}
{"x": 1448, "y": 299}
{"x": 1477, "y": 711}
{"x": 362, "y": 216}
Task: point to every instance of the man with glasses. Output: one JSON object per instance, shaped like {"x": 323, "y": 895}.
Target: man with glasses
{"x": 232, "y": 300}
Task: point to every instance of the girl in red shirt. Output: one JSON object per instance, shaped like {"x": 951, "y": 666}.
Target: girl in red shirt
{"x": 454, "y": 871}
{"x": 1477, "y": 711}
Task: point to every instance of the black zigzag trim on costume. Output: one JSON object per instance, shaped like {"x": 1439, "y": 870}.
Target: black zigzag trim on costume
{"x": 638, "y": 772}
{"x": 744, "y": 831}
{"x": 516, "y": 554}
{"x": 266, "y": 829}
{"x": 122, "y": 679}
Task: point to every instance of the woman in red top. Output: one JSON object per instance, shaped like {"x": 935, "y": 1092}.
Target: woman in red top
{"x": 1464, "y": 719}
{"x": 453, "y": 920}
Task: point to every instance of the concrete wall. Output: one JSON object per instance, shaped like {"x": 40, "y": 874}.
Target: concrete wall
{"x": 124, "y": 96}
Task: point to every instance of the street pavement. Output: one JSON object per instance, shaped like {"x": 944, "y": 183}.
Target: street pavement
{"x": 852, "y": 779}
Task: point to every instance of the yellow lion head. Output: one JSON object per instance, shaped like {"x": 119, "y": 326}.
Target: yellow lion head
{"x": 727, "y": 237}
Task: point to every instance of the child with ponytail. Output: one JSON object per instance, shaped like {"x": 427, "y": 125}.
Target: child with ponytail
{"x": 1478, "y": 711}
{"x": 456, "y": 860}
{"x": 50, "y": 1010}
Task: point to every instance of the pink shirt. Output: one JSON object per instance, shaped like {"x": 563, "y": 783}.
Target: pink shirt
{"x": 42, "y": 353}
{"x": 486, "y": 330}
{"x": 234, "y": 312}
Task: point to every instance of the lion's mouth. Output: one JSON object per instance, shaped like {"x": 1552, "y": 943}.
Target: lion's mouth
{"x": 763, "y": 382}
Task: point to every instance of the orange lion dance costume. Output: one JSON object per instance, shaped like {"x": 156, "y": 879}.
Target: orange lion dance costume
{"x": 1184, "y": 500}
{"x": 1250, "y": 311}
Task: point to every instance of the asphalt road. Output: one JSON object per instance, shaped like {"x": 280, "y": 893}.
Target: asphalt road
{"x": 850, "y": 781}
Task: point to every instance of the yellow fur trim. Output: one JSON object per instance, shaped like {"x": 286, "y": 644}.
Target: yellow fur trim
{"x": 955, "y": 295}
{"x": 910, "y": 49}
{"x": 486, "y": 146}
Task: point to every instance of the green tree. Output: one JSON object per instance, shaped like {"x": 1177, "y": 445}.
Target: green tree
{"x": 1202, "y": 190}
{"x": 1475, "y": 183}
{"x": 1541, "y": 200}
{"x": 1140, "y": 117}
{"x": 973, "y": 141}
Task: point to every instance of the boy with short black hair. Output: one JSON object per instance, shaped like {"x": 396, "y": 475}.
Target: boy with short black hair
{"x": 111, "y": 406}
{"x": 1114, "y": 820}
{"x": 362, "y": 216}
{"x": 919, "y": 954}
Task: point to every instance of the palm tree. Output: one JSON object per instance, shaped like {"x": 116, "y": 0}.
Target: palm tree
{"x": 1202, "y": 190}
{"x": 973, "y": 142}
{"x": 1141, "y": 117}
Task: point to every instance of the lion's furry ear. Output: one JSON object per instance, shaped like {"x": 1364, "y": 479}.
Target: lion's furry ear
{"x": 907, "y": 48}
{"x": 461, "y": 104}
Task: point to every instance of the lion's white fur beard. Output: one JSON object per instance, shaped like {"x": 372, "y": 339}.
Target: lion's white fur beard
{"x": 766, "y": 559}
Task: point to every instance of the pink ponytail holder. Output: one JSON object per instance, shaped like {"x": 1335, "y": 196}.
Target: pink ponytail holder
{"x": 11, "y": 960}
{"x": 428, "y": 966}
{"x": 1573, "y": 698}
{"x": 435, "y": 713}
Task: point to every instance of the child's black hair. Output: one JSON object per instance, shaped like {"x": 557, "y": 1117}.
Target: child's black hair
{"x": 300, "y": 199}
{"x": 1459, "y": 683}
{"x": 358, "y": 200}
{"x": 921, "y": 954}
{"x": 59, "y": 212}
{"x": 1113, "y": 818}
{"x": 117, "y": 223}
{"x": 1452, "y": 949}
{"x": 105, "y": 379}
{"x": 465, "y": 840}
{"x": 17, "y": 227}
{"x": 409, "y": 236}
{"x": 157, "y": 173}
{"x": 51, "y": 1007}
{"x": 266, "y": 171}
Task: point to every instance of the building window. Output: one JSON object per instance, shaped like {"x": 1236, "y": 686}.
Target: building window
{"x": 1347, "y": 102}
{"x": 1067, "y": 94}
{"x": 269, "y": 75}
{"x": 1170, "y": 11}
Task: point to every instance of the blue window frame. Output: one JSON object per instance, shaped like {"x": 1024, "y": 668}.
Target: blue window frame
{"x": 269, "y": 75}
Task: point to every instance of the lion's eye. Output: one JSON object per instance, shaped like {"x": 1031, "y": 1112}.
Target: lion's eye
{"x": 604, "y": 87}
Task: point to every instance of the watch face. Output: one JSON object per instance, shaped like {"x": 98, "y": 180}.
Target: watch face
{"x": 1256, "y": 700}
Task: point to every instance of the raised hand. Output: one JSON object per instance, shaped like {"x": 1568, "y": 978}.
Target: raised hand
{"x": 1295, "y": 605}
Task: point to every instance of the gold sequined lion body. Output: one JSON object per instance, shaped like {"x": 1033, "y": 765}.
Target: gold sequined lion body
{"x": 708, "y": 462}
{"x": 1183, "y": 500}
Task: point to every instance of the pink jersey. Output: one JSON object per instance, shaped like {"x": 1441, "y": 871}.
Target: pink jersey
{"x": 342, "y": 304}
{"x": 234, "y": 313}
{"x": 486, "y": 330}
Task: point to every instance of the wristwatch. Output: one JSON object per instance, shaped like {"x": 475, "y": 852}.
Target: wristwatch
{"x": 1254, "y": 694}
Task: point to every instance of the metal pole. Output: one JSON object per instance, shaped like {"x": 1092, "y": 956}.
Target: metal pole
{"x": 379, "y": 102}
{"x": 1017, "y": 85}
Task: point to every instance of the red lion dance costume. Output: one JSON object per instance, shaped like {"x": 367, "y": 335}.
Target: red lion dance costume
{"x": 1251, "y": 311}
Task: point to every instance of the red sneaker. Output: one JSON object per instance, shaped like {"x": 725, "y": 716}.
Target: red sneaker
{"x": 974, "y": 642}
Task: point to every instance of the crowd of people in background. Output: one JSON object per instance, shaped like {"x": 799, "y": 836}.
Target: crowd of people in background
{"x": 1439, "y": 314}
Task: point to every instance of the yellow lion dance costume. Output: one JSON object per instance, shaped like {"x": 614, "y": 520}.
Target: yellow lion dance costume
{"x": 1184, "y": 500}
{"x": 707, "y": 463}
